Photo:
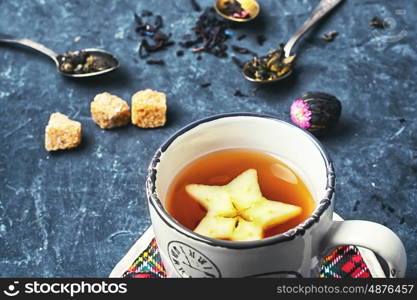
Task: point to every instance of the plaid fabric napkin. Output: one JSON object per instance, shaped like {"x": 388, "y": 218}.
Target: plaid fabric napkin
{"x": 343, "y": 262}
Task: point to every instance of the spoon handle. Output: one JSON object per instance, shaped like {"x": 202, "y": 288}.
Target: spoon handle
{"x": 31, "y": 44}
{"x": 322, "y": 9}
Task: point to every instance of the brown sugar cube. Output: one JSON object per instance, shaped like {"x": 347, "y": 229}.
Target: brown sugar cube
{"x": 149, "y": 109}
{"x": 62, "y": 133}
{"x": 109, "y": 111}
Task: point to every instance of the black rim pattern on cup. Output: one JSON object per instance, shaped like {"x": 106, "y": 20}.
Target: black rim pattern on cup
{"x": 299, "y": 230}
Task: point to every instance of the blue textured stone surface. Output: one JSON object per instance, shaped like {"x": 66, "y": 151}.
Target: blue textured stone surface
{"x": 76, "y": 213}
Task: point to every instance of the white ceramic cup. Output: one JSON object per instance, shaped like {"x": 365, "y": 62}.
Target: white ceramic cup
{"x": 294, "y": 253}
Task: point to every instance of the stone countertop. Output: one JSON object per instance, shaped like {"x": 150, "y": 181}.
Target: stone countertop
{"x": 76, "y": 213}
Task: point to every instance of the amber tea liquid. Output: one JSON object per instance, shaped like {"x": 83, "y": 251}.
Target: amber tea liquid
{"x": 277, "y": 181}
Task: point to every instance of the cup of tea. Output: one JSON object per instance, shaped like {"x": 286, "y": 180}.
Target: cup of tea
{"x": 288, "y": 165}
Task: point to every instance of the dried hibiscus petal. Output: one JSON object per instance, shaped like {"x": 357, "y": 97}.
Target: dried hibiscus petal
{"x": 235, "y": 9}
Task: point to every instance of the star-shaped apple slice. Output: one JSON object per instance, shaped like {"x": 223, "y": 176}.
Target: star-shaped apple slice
{"x": 237, "y": 211}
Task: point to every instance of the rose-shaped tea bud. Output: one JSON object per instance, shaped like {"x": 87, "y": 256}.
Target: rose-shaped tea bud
{"x": 316, "y": 112}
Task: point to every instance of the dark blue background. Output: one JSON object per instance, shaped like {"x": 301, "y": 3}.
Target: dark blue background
{"x": 76, "y": 213}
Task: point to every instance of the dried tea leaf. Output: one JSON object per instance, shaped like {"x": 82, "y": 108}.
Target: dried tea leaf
{"x": 237, "y": 62}
{"x": 260, "y": 39}
{"x": 158, "y": 23}
{"x": 195, "y": 5}
{"x": 146, "y": 13}
{"x": 160, "y": 62}
{"x": 238, "y": 93}
{"x": 330, "y": 36}
{"x": 138, "y": 19}
{"x": 378, "y": 23}
{"x": 242, "y": 50}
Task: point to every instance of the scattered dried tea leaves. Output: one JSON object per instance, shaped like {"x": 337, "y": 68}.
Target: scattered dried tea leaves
{"x": 152, "y": 31}
{"x": 330, "y": 36}
{"x": 260, "y": 39}
{"x": 234, "y": 9}
{"x": 388, "y": 208}
{"x": 378, "y": 23}
{"x": 161, "y": 43}
{"x": 210, "y": 34}
{"x": 271, "y": 66}
{"x": 80, "y": 62}
{"x": 195, "y": 5}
